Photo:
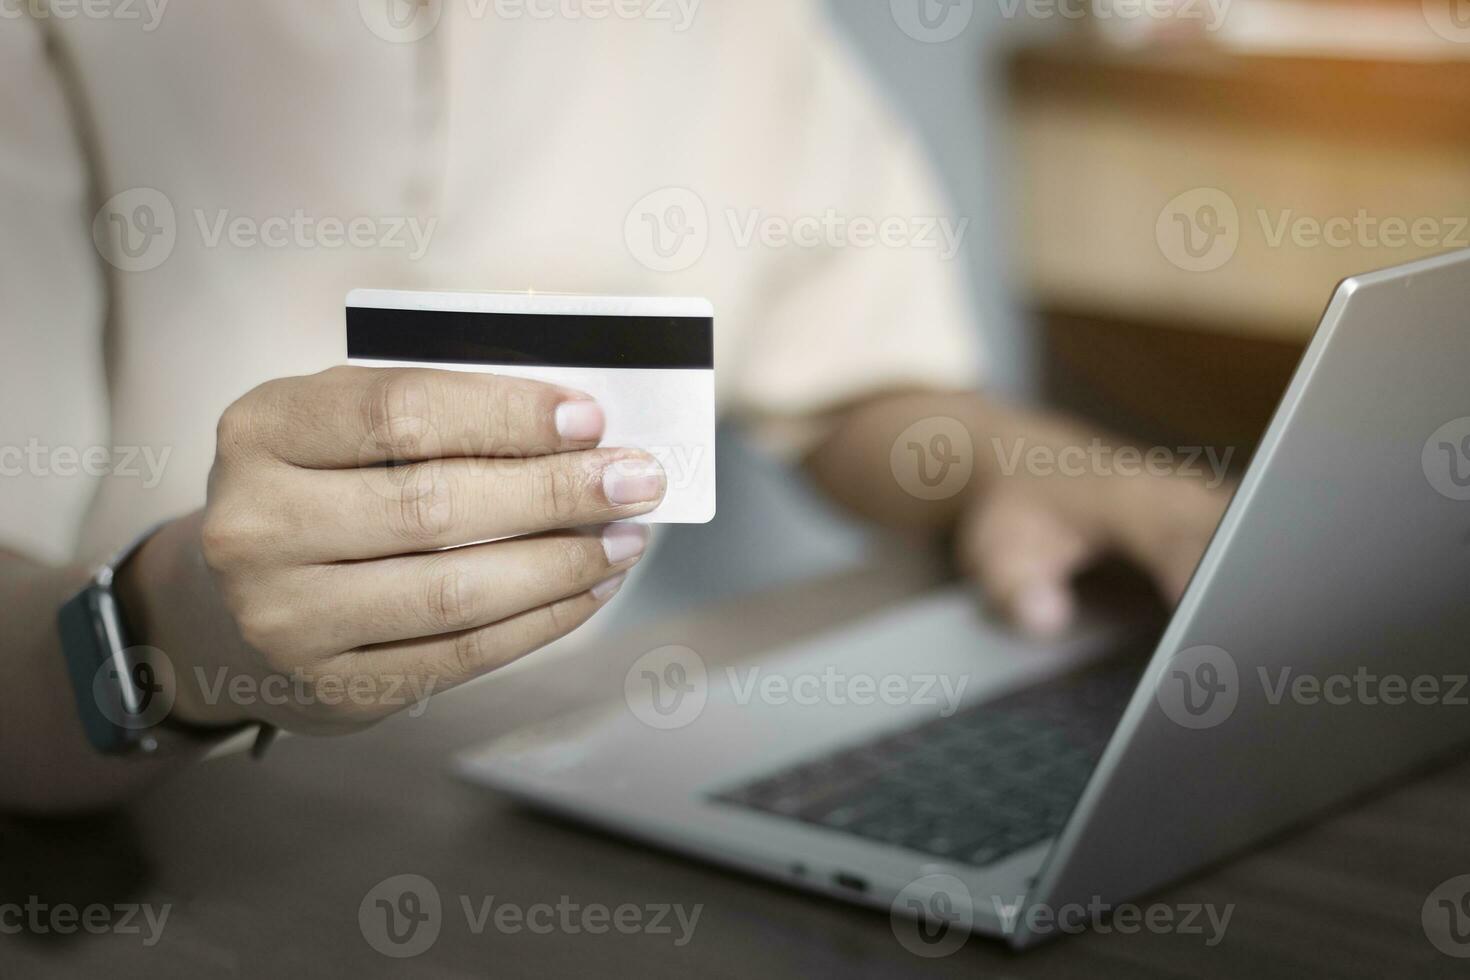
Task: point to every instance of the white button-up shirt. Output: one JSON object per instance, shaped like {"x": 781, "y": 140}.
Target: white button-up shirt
{"x": 190, "y": 189}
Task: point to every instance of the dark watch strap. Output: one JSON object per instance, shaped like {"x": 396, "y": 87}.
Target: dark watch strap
{"x": 120, "y": 688}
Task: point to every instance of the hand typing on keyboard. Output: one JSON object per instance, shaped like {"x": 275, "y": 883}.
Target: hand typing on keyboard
{"x": 1026, "y": 539}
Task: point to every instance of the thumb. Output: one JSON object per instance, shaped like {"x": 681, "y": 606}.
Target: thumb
{"x": 1024, "y": 557}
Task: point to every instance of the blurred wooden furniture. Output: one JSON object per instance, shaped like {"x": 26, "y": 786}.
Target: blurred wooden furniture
{"x": 1104, "y": 142}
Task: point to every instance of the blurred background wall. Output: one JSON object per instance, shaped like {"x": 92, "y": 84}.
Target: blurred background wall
{"x": 953, "y": 92}
{"x": 1163, "y": 195}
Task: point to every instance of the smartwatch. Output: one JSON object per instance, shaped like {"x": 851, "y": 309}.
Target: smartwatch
{"x": 124, "y": 692}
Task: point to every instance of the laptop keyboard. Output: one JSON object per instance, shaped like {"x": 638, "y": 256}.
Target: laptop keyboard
{"x": 985, "y": 783}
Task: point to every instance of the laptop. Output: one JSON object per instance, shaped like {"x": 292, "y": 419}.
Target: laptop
{"x": 928, "y": 762}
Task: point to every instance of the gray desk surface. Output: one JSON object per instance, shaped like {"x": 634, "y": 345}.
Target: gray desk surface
{"x": 264, "y": 866}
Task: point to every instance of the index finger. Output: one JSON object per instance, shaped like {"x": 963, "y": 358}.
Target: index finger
{"x": 349, "y": 417}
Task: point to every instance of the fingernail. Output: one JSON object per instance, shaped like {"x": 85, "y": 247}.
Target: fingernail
{"x": 579, "y": 421}
{"x": 604, "y": 591}
{"x": 633, "y": 481}
{"x": 1044, "y": 610}
{"x": 624, "y": 542}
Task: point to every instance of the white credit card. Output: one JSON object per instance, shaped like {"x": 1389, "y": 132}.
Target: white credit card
{"x": 648, "y": 361}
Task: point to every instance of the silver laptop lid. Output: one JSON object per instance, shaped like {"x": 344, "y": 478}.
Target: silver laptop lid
{"x": 1323, "y": 644}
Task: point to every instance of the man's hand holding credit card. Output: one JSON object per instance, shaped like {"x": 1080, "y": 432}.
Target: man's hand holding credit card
{"x": 466, "y": 491}
{"x": 647, "y": 362}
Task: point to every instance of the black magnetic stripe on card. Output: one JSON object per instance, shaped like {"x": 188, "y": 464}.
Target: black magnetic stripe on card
{"x": 541, "y": 339}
